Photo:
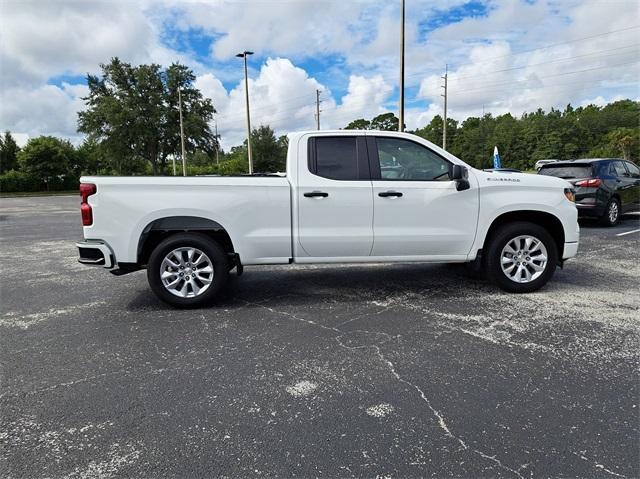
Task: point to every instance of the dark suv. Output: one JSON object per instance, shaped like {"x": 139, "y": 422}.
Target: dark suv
{"x": 605, "y": 187}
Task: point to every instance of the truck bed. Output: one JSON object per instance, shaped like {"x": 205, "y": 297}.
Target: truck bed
{"x": 256, "y": 211}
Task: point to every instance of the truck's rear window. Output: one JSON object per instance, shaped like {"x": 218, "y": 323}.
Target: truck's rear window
{"x": 567, "y": 171}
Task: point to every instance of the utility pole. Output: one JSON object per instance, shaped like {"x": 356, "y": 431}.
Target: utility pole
{"x": 244, "y": 55}
{"x": 318, "y": 109}
{"x": 444, "y": 126}
{"x": 184, "y": 160}
{"x": 217, "y": 142}
{"x": 401, "y": 109}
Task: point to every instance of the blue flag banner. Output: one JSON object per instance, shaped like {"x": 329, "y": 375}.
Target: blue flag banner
{"x": 496, "y": 158}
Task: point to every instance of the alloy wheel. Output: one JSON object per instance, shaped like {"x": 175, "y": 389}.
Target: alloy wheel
{"x": 524, "y": 259}
{"x": 186, "y": 272}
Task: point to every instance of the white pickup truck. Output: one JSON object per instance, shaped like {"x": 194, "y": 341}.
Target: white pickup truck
{"x": 348, "y": 196}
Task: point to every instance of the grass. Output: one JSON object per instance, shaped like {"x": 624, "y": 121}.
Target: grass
{"x": 19, "y": 194}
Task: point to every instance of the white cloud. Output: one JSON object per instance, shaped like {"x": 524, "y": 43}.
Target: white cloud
{"x": 493, "y": 57}
{"x": 511, "y": 73}
{"x": 46, "y": 110}
{"x": 283, "y": 97}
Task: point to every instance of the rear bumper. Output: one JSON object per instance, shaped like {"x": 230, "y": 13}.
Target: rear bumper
{"x": 95, "y": 253}
{"x": 590, "y": 210}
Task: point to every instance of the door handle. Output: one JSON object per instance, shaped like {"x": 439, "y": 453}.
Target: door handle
{"x": 388, "y": 194}
{"x": 316, "y": 194}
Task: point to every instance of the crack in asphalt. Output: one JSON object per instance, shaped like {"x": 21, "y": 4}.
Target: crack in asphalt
{"x": 391, "y": 367}
{"x": 598, "y": 466}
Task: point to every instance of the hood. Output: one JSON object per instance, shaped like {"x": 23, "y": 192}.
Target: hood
{"x": 498, "y": 178}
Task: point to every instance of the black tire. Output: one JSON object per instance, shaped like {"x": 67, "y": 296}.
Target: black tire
{"x": 205, "y": 244}
{"x": 611, "y": 214}
{"x": 497, "y": 243}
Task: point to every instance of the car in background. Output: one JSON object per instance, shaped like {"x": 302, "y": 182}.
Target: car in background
{"x": 605, "y": 188}
{"x": 541, "y": 163}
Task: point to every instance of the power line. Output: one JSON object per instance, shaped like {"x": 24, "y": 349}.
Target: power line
{"x": 552, "y": 76}
{"x": 349, "y": 115}
{"x": 485, "y": 87}
{"x": 555, "y": 44}
{"x": 550, "y": 61}
{"x": 454, "y": 79}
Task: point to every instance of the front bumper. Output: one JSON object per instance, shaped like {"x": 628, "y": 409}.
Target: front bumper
{"x": 95, "y": 253}
{"x": 570, "y": 250}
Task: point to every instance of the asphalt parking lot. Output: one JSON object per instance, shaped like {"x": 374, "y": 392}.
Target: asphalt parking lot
{"x": 337, "y": 371}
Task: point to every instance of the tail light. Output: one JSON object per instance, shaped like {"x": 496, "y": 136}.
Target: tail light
{"x": 86, "y": 190}
{"x": 570, "y": 194}
{"x": 590, "y": 183}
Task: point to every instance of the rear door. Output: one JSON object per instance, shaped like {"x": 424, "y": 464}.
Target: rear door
{"x": 335, "y": 205}
{"x": 417, "y": 208}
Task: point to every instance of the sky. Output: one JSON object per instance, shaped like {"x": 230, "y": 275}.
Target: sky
{"x": 502, "y": 56}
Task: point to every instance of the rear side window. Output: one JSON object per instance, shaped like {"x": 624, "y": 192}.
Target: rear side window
{"x": 567, "y": 171}
{"x": 334, "y": 157}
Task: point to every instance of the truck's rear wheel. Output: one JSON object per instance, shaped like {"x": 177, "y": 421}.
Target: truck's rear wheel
{"x": 521, "y": 257}
{"x": 187, "y": 270}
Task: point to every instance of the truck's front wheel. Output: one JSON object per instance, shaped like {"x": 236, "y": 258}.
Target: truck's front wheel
{"x": 522, "y": 257}
{"x": 187, "y": 270}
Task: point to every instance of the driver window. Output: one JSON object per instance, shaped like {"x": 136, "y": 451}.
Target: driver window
{"x": 405, "y": 160}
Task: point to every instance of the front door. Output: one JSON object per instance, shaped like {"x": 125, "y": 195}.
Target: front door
{"x": 335, "y": 204}
{"x": 633, "y": 177}
{"x": 417, "y": 209}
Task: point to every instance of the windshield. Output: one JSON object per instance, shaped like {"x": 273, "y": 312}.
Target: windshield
{"x": 566, "y": 171}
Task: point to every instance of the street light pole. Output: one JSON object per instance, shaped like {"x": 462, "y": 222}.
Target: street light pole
{"x": 217, "y": 144}
{"x": 244, "y": 55}
{"x": 444, "y": 120}
{"x": 401, "y": 109}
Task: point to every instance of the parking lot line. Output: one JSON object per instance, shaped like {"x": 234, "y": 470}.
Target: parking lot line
{"x": 629, "y": 232}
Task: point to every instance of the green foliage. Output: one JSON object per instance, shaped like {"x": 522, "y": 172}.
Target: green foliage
{"x": 49, "y": 159}
{"x": 384, "y": 122}
{"x": 54, "y": 164}
{"x": 590, "y": 131}
{"x": 8, "y": 153}
{"x": 133, "y": 114}
{"x": 269, "y": 153}
{"x": 13, "y": 181}
{"x": 359, "y": 124}
{"x": 93, "y": 159}
{"x": 626, "y": 140}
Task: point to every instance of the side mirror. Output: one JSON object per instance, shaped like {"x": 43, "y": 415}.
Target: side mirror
{"x": 460, "y": 174}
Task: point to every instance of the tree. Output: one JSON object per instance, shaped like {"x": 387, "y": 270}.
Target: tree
{"x": 269, "y": 156}
{"x": 132, "y": 113}
{"x": 359, "y": 124}
{"x": 385, "y": 122}
{"x": 8, "y": 153}
{"x": 626, "y": 141}
{"x": 47, "y": 158}
{"x": 92, "y": 158}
